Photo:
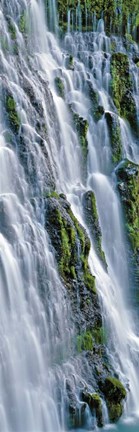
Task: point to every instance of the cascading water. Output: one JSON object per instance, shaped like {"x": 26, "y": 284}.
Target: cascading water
{"x": 36, "y": 318}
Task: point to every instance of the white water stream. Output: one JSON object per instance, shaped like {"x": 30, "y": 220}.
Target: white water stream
{"x": 33, "y": 333}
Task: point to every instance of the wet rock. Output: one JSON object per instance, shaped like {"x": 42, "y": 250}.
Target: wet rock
{"x": 92, "y": 219}
{"x": 12, "y": 113}
{"x": 76, "y": 415}
{"x": 99, "y": 112}
{"x": 66, "y": 235}
{"x": 93, "y": 94}
{"x": 122, "y": 88}
{"x": 59, "y": 83}
{"x": 70, "y": 62}
{"x": 82, "y": 129}
{"x": 128, "y": 184}
{"x": 115, "y": 135}
{"x": 115, "y": 393}
{"x": 94, "y": 402}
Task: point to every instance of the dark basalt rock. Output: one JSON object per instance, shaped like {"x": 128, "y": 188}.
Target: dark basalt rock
{"x": 94, "y": 402}
{"x": 115, "y": 135}
{"x": 128, "y": 185}
{"x": 82, "y": 129}
{"x": 122, "y": 88}
{"x": 72, "y": 245}
{"x": 92, "y": 219}
{"x": 59, "y": 83}
{"x": 115, "y": 393}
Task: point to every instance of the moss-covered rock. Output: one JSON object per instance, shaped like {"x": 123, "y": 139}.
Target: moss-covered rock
{"x": 97, "y": 109}
{"x": 60, "y": 87}
{"x": 66, "y": 234}
{"x": 94, "y": 402}
{"x": 82, "y": 129}
{"x": 128, "y": 185}
{"x": 13, "y": 116}
{"x": 122, "y": 88}
{"x": 115, "y": 136}
{"x": 85, "y": 342}
{"x": 72, "y": 245}
{"x": 70, "y": 62}
{"x": 23, "y": 23}
{"x": 92, "y": 219}
{"x": 115, "y": 393}
{"x": 116, "y": 14}
{"x": 11, "y": 28}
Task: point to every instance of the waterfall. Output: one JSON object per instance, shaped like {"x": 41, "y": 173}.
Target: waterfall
{"x": 37, "y": 328}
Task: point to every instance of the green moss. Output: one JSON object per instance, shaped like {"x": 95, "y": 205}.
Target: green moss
{"x": 71, "y": 62}
{"x": 122, "y": 88}
{"x": 115, "y": 14}
{"x": 12, "y": 113}
{"x": 60, "y": 87}
{"x": 115, "y": 136}
{"x": 73, "y": 272}
{"x": 23, "y": 23}
{"x": 128, "y": 184}
{"x": 95, "y": 404}
{"x": 115, "y": 411}
{"x": 82, "y": 129}
{"x": 85, "y": 342}
{"x": 91, "y": 213}
{"x": 89, "y": 280}
{"x": 12, "y": 30}
{"x": 52, "y": 194}
{"x": 67, "y": 236}
{"x": 114, "y": 389}
{"x": 99, "y": 335}
{"x": 115, "y": 393}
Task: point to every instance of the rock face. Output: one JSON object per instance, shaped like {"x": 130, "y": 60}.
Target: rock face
{"x": 72, "y": 245}
{"x": 95, "y": 404}
{"x": 128, "y": 186}
{"x": 59, "y": 86}
{"x": 70, "y": 241}
{"x": 91, "y": 215}
{"x": 115, "y": 15}
{"x": 114, "y": 393}
{"x": 82, "y": 129}
{"x": 122, "y": 88}
{"x": 115, "y": 136}
{"x": 13, "y": 116}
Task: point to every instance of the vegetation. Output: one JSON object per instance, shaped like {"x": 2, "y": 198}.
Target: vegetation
{"x": 23, "y": 23}
{"x": 91, "y": 214}
{"x": 122, "y": 88}
{"x": 59, "y": 87}
{"x": 85, "y": 342}
{"x": 66, "y": 234}
{"x": 116, "y": 14}
{"x": 115, "y": 136}
{"x": 12, "y": 29}
{"x": 128, "y": 185}
{"x": 12, "y": 113}
{"x": 115, "y": 393}
{"x": 95, "y": 404}
{"x": 82, "y": 129}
